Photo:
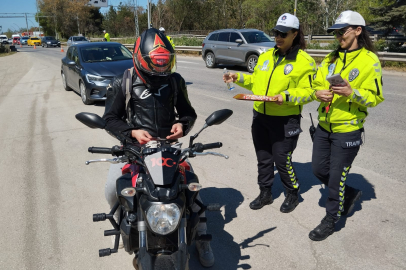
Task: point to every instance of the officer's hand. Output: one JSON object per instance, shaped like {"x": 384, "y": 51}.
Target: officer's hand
{"x": 177, "y": 130}
{"x": 141, "y": 136}
{"x": 229, "y": 77}
{"x": 342, "y": 90}
{"x": 279, "y": 99}
{"x": 324, "y": 95}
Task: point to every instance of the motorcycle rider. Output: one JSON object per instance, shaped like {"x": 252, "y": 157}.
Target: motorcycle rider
{"x": 168, "y": 37}
{"x": 156, "y": 92}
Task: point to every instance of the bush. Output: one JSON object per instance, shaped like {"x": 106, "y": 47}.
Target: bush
{"x": 187, "y": 41}
{"x": 4, "y": 49}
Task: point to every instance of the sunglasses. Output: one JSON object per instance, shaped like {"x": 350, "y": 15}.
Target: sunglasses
{"x": 341, "y": 32}
{"x": 279, "y": 33}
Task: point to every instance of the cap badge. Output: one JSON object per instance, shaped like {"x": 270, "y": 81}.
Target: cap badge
{"x": 353, "y": 74}
{"x": 284, "y": 17}
{"x": 288, "y": 69}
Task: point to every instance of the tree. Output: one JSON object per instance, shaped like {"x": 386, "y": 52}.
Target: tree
{"x": 388, "y": 16}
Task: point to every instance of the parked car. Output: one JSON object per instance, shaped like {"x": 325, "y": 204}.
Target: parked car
{"x": 16, "y": 41}
{"x": 24, "y": 40}
{"x": 89, "y": 68}
{"x": 33, "y": 41}
{"x": 77, "y": 40}
{"x": 236, "y": 47}
{"x": 50, "y": 42}
{"x": 10, "y": 41}
{"x": 3, "y": 39}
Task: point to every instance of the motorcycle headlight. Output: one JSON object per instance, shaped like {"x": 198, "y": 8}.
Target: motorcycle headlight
{"x": 163, "y": 219}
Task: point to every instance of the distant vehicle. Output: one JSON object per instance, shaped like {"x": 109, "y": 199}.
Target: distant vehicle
{"x": 16, "y": 41}
{"x": 50, "y": 42}
{"x": 3, "y": 39}
{"x": 10, "y": 41}
{"x": 89, "y": 68}
{"x": 240, "y": 47}
{"x": 33, "y": 41}
{"x": 77, "y": 40}
{"x": 24, "y": 40}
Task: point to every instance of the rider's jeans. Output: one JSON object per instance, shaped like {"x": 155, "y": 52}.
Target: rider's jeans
{"x": 110, "y": 193}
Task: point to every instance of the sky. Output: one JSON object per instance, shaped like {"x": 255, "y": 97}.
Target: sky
{"x": 29, "y": 6}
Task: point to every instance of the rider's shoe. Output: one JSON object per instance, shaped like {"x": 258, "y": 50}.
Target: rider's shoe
{"x": 264, "y": 198}
{"x": 206, "y": 256}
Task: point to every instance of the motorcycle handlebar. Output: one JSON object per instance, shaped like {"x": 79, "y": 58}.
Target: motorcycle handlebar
{"x": 212, "y": 145}
{"x": 100, "y": 150}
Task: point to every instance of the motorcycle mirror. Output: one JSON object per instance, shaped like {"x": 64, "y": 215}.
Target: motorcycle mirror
{"x": 91, "y": 120}
{"x": 218, "y": 117}
{"x": 215, "y": 118}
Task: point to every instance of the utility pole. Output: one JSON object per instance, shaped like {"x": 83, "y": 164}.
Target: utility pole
{"x": 149, "y": 14}
{"x": 26, "y": 21}
{"x": 294, "y": 12}
{"x": 137, "y": 30}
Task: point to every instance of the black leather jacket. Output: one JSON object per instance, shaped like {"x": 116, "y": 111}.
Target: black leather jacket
{"x": 149, "y": 110}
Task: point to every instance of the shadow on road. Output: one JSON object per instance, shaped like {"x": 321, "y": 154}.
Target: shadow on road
{"x": 308, "y": 180}
{"x": 227, "y": 252}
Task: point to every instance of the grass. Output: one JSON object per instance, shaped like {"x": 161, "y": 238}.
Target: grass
{"x": 6, "y": 54}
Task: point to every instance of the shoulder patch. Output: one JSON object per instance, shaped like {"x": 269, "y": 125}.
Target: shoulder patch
{"x": 373, "y": 56}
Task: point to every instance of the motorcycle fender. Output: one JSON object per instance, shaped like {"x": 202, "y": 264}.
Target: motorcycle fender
{"x": 125, "y": 181}
{"x": 180, "y": 259}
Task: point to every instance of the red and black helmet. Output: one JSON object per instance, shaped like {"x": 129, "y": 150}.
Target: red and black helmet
{"x": 153, "y": 56}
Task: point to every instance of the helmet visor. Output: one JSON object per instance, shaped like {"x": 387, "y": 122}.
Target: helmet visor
{"x": 156, "y": 62}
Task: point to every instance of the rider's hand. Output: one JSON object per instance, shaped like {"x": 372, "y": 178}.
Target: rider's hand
{"x": 229, "y": 77}
{"x": 324, "y": 95}
{"x": 141, "y": 136}
{"x": 177, "y": 130}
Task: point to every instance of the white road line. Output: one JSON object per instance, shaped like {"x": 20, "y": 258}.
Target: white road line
{"x": 209, "y": 96}
{"x": 187, "y": 62}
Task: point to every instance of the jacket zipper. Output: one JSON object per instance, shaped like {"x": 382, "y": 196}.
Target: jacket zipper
{"x": 349, "y": 107}
{"x": 156, "y": 120}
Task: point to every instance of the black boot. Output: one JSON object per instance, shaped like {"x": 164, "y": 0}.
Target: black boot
{"x": 264, "y": 198}
{"x": 324, "y": 230}
{"x": 351, "y": 195}
{"x": 290, "y": 202}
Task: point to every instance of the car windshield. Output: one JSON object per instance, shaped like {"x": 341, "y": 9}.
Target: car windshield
{"x": 79, "y": 39}
{"x": 256, "y": 37}
{"x": 102, "y": 53}
{"x": 49, "y": 38}
{"x": 34, "y": 38}
{"x": 25, "y": 38}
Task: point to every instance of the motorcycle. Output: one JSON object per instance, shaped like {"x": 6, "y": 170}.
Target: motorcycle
{"x": 155, "y": 193}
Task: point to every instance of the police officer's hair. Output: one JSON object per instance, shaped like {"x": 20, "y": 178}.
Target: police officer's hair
{"x": 364, "y": 41}
{"x": 299, "y": 39}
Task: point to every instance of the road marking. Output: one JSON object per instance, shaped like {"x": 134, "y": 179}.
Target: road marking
{"x": 187, "y": 62}
{"x": 222, "y": 99}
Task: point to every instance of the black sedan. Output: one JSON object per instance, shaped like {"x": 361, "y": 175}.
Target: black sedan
{"x": 89, "y": 68}
{"x": 50, "y": 42}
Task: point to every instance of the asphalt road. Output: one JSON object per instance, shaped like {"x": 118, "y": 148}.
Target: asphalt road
{"x": 48, "y": 194}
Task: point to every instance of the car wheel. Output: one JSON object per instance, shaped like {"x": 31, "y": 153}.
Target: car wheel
{"x": 252, "y": 62}
{"x": 83, "y": 94}
{"x": 210, "y": 60}
{"x": 65, "y": 84}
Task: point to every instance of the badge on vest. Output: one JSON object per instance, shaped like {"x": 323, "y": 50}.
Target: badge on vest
{"x": 353, "y": 74}
{"x": 288, "y": 69}
{"x": 264, "y": 67}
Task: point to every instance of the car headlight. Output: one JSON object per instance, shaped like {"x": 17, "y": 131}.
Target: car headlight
{"x": 48, "y": 42}
{"x": 97, "y": 79}
{"x": 164, "y": 218}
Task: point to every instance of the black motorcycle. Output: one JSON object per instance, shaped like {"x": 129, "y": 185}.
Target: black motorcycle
{"x": 155, "y": 197}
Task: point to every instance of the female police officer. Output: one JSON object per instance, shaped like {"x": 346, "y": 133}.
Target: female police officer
{"x": 285, "y": 72}
{"x": 342, "y": 114}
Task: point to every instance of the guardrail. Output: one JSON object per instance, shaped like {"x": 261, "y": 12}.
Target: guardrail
{"x": 383, "y": 56}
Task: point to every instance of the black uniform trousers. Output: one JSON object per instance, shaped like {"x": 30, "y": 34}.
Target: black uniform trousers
{"x": 333, "y": 154}
{"x": 275, "y": 139}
